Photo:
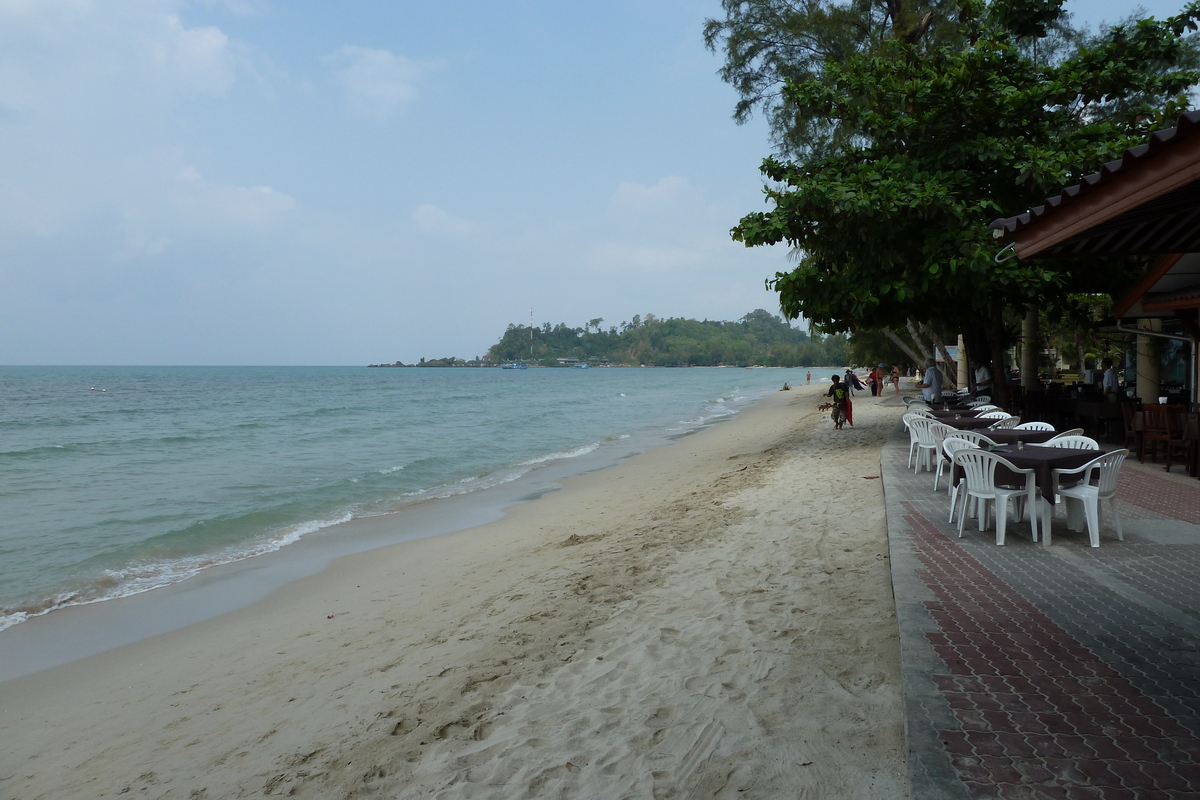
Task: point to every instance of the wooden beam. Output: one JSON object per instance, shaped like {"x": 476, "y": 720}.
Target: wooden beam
{"x": 1146, "y": 283}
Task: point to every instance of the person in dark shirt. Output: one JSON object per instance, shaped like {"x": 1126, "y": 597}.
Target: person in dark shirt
{"x": 841, "y": 402}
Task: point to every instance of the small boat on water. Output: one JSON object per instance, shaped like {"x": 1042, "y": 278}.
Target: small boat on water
{"x": 515, "y": 365}
{"x": 579, "y": 366}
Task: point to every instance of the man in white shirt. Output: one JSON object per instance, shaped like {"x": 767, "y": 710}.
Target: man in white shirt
{"x": 931, "y": 383}
{"x": 983, "y": 378}
{"x": 1108, "y": 384}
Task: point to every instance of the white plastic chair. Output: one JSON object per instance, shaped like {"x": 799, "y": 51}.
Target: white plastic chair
{"x": 979, "y": 466}
{"x": 976, "y": 438}
{"x": 921, "y": 411}
{"x": 996, "y": 414}
{"x": 1073, "y": 442}
{"x": 939, "y": 431}
{"x": 986, "y": 407}
{"x": 1072, "y": 432}
{"x": 908, "y": 419}
{"x": 927, "y": 443}
{"x": 1098, "y": 481}
{"x": 1002, "y": 424}
{"x": 1034, "y": 426}
{"x": 950, "y": 446}
{"x": 982, "y": 399}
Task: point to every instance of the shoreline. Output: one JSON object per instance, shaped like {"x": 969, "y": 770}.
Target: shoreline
{"x": 697, "y": 612}
{"x": 79, "y": 629}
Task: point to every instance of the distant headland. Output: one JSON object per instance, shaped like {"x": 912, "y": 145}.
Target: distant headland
{"x": 758, "y": 339}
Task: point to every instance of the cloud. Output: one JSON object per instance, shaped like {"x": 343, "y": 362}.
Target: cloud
{"x": 199, "y": 58}
{"x": 436, "y": 222}
{"x": 670, "y": 195}
{"x": 617, "y": 257}
{"x": 208, "y": 204}
{"x": 240, "y": 8}
{"x": 377, "y": 83}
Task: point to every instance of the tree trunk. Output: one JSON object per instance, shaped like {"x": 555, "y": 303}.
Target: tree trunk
{"x": 903, "y": 345}
{"x": 1030, "y": 343}
{"x": 950, "y": 378}
{"x": 996, "y": 336}
{"x": 912, "y": 331}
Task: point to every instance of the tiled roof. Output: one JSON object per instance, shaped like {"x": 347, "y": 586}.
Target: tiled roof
{"x": 1186, "y": 127}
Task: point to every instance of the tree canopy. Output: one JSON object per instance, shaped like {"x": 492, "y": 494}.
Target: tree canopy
{"x": 933, "y": 124}
{"x": 759, "y": 338}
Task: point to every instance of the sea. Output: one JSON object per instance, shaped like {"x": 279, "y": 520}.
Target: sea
{"x": 116, "y": 481}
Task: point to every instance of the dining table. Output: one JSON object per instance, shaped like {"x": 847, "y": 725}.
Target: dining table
{"x": 968, "y": 423}
{"x": 955, "y": 413}
{"x": 1043, "y": 461}
{"x": 1012, "y": 436}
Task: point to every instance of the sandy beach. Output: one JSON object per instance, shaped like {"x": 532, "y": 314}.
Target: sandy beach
{"x": 713, "y": 618}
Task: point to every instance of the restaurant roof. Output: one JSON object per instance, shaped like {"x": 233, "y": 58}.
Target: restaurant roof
{"x": 1147, "y": 201}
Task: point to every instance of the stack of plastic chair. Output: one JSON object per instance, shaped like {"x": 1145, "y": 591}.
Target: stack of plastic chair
{"x": 927, "y": 443}
{"x": 908, "y": 419}
{"x": 951, "y": 446}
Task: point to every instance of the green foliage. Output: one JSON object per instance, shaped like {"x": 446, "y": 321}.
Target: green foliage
{"x": 939, "y": 137}
{"x": 759, "y": 338}
{"x": 770, "y": 43}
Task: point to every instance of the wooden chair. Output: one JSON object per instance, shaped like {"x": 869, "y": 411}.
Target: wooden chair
{"x": 1164, "y": 424}
{"x": 1132, "y": 423}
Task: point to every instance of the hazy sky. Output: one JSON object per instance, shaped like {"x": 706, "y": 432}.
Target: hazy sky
{"x": 303, "y": 182}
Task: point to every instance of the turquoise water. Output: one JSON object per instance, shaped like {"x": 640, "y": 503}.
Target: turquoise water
{"x": 117, "y": 480}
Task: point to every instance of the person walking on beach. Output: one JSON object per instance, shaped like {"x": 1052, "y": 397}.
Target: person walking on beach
{"x": 841, "y": 402}
{"x": 808, "y": 377}
{"x": 896, "y": 378}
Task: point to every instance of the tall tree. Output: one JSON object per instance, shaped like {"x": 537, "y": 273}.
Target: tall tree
{"x": 889, "y": 220}
{"x": 770, "y": 43}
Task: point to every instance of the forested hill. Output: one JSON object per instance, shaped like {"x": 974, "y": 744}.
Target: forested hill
{"x": 757, "y": 339}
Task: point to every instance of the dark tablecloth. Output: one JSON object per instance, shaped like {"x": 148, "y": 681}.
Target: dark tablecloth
{"x": 1043, "y": 460}
{"x": 968, "y": 423}
{"x": 1009, "y": 436}
{"x": 964, "y": 413}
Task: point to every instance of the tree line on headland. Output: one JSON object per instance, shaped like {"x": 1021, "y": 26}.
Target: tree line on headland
{"x": 757, "y": 339}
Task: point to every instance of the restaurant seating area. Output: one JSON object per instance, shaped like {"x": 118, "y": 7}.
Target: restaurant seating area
{"x": 997, "y": 466}
{"x": 1052, "y": 668}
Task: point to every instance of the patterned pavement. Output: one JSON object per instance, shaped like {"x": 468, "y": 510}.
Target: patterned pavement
{"x": 1060, "y": 672}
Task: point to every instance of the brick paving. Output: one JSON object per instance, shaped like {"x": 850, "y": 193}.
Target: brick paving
{"x": 1060, "y": 672}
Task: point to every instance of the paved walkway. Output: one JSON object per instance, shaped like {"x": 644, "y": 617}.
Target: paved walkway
{"x": 1061, "y": 672}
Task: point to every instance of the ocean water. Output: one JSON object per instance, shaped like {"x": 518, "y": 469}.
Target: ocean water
{"x": 119, "y": 480}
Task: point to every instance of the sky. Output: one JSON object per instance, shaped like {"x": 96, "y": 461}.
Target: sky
{"x": 294, "y": 182}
